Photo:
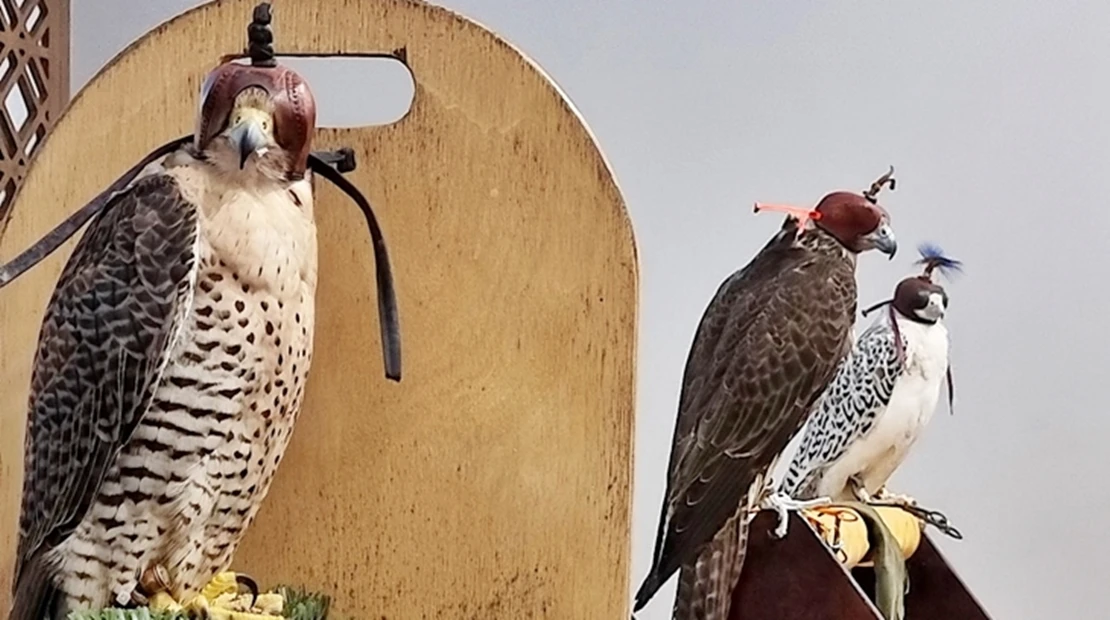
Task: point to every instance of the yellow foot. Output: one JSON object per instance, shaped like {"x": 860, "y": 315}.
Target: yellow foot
{"x": 223, "y": 583}
{"x": 195, "y": 607}
{"x": 154, "y": 584}
{"x": 226, "y": 602}
{"x": 162, "y": 601}
{"x": 220, "y": 599}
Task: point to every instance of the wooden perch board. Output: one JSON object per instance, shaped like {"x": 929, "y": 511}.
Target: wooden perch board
{"x": 798, "y": 577}
{"x": 495, "y": 480}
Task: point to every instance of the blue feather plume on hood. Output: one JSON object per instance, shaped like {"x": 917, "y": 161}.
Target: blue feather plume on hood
{"x": 933, "y": 258}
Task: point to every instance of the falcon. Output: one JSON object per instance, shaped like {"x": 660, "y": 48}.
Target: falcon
{"x": 883, "y": 395}
{"x": 173, "y": 355}
{"x": 766, "y": 346}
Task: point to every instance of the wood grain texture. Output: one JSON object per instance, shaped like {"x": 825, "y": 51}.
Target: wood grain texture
{"x": 495, "y": 480}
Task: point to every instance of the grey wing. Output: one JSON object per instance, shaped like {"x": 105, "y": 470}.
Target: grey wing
{"x": 847, "y": 408}
{"x": 104, "y": 342}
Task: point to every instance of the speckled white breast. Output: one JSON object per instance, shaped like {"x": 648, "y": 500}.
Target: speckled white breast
{"x": 202, "y": 460}
{"x": 876, "y": 456}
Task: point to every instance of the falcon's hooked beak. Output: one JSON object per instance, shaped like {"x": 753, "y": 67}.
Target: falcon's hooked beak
{"x": 250, "y": 131}
{"x": 934, "y": 308}
{"x": 882, "y": 239}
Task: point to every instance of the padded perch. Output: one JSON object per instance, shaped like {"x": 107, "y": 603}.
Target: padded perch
{"x": 843, "y": 528}
{"x": 495, "y": 480}
{"x": 800, "y": 577}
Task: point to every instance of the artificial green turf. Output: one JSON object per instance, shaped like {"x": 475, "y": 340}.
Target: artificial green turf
{"x": 299, "y": 605}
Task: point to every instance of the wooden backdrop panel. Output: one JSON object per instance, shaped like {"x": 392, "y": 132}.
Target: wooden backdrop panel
{"x": 495, "y": 480}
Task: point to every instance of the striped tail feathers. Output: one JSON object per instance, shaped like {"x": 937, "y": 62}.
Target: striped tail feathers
{"x": 705, "y": 585}
{"x": 35, "y": 596}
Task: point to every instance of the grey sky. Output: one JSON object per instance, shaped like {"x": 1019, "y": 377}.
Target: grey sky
{"x": 995, "y": 117}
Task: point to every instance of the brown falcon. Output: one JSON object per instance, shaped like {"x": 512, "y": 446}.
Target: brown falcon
{"x": 766, "y": 346}
{"x": 173, "y": 356}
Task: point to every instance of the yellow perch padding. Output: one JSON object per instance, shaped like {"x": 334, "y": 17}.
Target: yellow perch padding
{"x": 844, "y": 531}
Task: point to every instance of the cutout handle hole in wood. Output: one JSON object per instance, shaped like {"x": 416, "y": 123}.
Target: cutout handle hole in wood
{"x": 356, "y": 91}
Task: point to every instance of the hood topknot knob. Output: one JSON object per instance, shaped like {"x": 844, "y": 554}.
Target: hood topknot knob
{"x": 260, "y": 37}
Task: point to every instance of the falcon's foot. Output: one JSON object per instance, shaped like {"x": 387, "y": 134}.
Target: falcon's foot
{"x": 226, "y": 600}
{"x": 162, "y": 601}
{"x": 859, "y": 490}
{"x": 782, "y": 504}
{"x": 221, "y": 599}
{"x": 882, "y": 496}
{"x": 154, "y": 590}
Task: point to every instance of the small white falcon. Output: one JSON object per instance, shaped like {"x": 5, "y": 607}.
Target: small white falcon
{"x": 884, "y": 394}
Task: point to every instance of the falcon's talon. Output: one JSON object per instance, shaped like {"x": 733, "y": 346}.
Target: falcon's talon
{"x": 138, "y": 599}
{"x": 197, "y": 607}
{"x": 270, "y": 603}
{"x": 782, "y": 504}
{"x": 856, "y": 485}
{"x": 250, "y": 584}
{"x": 886, "y": 497}
{"x": 162, "y": 601}
{"x": 235, "y": 596}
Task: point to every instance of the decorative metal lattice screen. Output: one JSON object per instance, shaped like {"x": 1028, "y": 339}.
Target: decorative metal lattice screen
{"x": 34, "y": 83}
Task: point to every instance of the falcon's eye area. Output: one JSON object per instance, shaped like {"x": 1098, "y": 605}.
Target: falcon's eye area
{"x": 239, "y": 117}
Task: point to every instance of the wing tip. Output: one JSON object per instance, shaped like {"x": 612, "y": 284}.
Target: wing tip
{"x": 647, "y": 590}
{"x": 34, "y": 594}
